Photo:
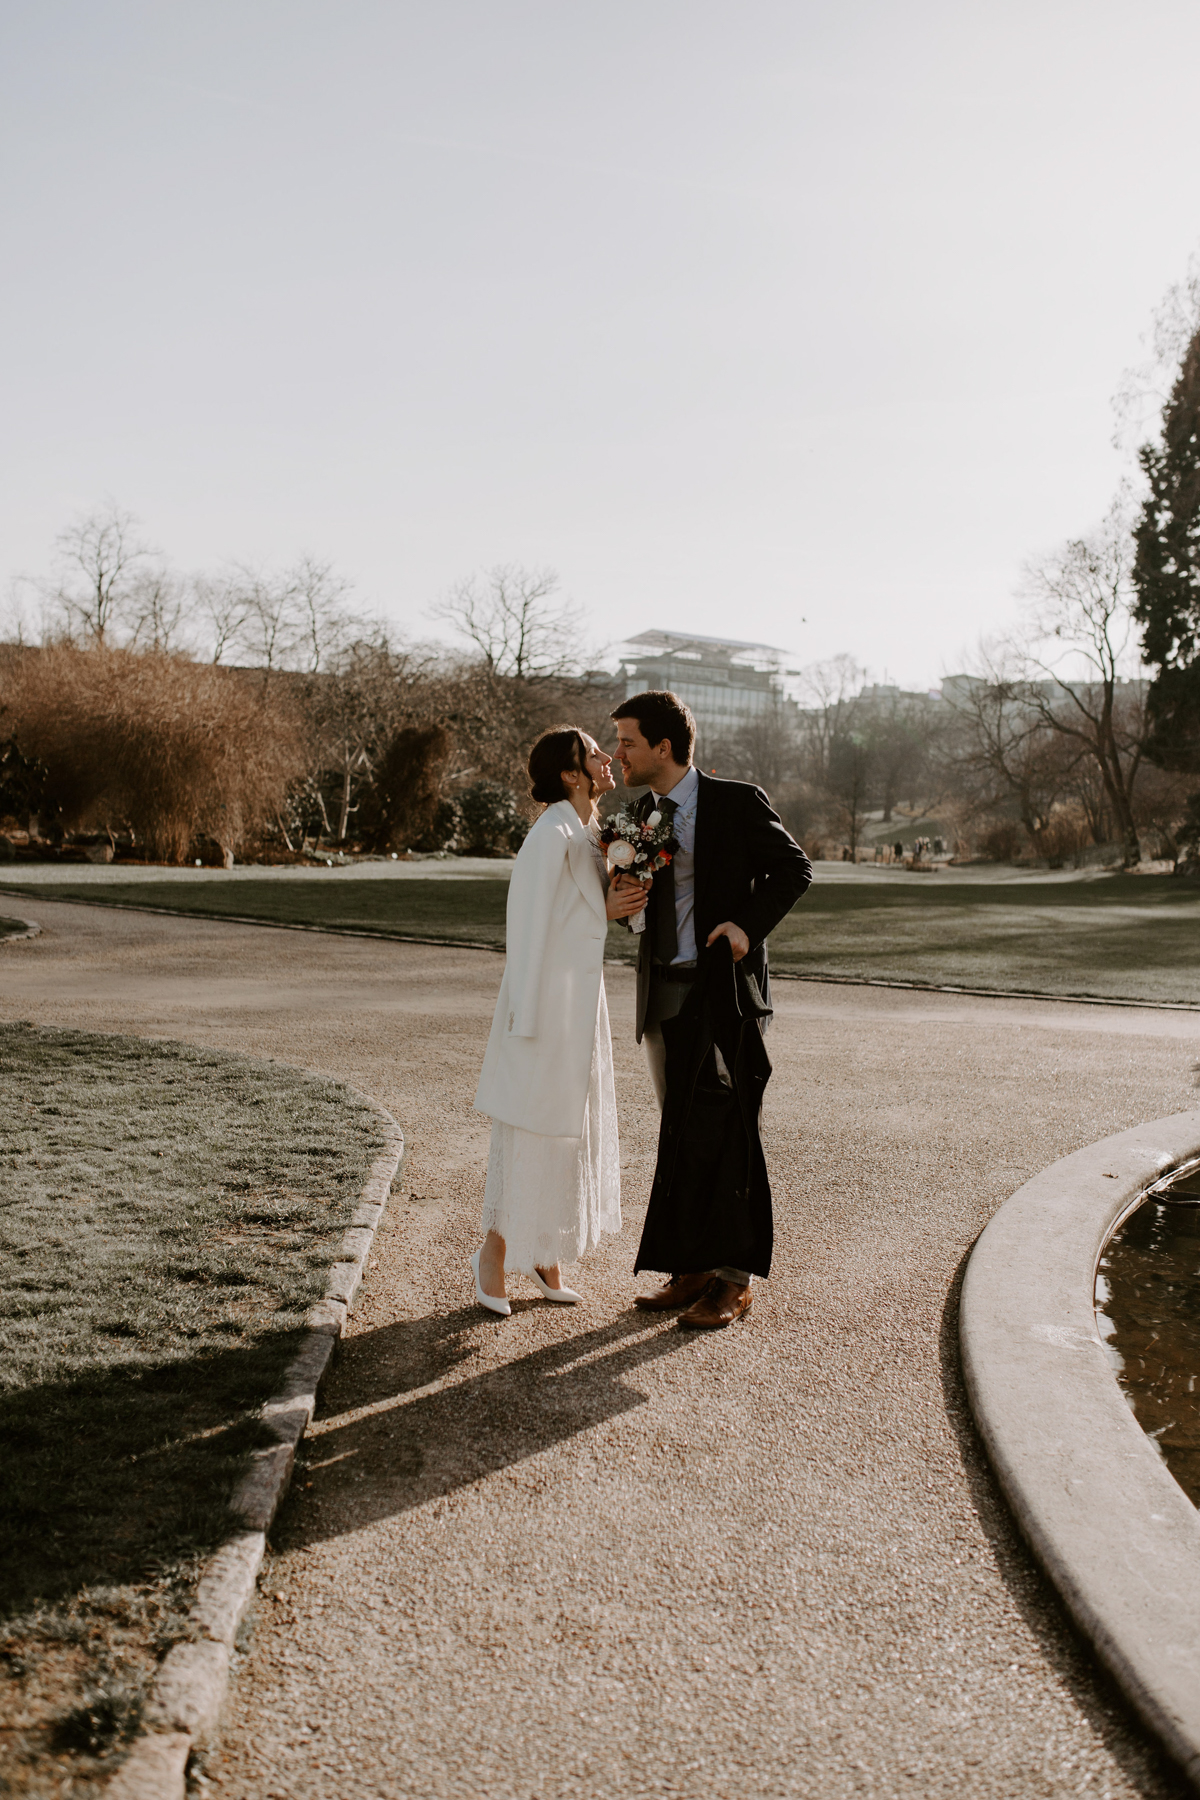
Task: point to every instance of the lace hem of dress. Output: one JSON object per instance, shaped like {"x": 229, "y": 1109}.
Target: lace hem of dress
{"x": 544, "y": 1249}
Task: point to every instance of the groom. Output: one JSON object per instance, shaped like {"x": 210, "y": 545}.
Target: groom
{"x": 736, "y": 873}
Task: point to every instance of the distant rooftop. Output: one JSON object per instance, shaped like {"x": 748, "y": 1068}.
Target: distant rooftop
{"x": 678, "y": 640}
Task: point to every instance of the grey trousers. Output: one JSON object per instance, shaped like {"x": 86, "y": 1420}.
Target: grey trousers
{"x": 666, "y": 999}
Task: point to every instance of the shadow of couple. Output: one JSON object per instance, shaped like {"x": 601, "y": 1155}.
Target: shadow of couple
{"x": 426, "y": 1436}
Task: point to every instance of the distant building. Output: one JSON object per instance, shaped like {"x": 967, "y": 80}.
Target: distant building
{"x": 884, "y": 694}
{"x": 961, "y": 691}
{"x": 727, "y": 684}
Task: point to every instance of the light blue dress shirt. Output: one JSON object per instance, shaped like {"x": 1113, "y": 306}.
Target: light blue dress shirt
{"x": 685, "y": 794}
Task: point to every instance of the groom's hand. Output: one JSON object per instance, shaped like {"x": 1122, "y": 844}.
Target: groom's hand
{"x": 739, "y": 943}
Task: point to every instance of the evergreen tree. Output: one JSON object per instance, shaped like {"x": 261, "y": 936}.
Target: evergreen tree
{"x": 1167, "y": 574}
{"x": 22, "y": 784}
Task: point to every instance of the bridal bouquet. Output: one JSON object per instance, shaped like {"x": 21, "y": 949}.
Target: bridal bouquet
{"x": 638, "y": 847}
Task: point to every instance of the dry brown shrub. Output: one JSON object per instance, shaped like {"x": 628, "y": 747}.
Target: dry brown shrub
{"x": 1003, "y": 840}
{"x": 1066, "y": 832}
{"x": 172, "y": 749}
{"x": 407, "y": 786}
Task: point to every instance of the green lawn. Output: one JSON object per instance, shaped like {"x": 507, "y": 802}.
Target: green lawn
{"x": 455, "y": 911}
{"x": 1125, "y": 937}
{"x": 167, "y": 1214}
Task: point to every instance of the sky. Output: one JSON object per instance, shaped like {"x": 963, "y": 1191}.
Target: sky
{"x": 789, "y": 322}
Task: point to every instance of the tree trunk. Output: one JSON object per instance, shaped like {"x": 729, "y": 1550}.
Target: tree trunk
{"x": 344, "y": 820}
{"x": 1125, "y": 822}
{"x": 1108, "y": 756}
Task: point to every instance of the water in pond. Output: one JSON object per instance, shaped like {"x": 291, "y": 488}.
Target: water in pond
{"x": 1148, "y": 1311}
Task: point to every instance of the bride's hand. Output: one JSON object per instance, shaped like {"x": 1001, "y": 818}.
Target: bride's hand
{"x": 626, "y": 897}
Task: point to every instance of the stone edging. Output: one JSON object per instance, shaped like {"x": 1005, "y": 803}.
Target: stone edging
{"x": 32, "y": 930}
{"x": 192, "y": 1679}
{"x": 981, "y": 993}
{"x": 1114, "y": 1531}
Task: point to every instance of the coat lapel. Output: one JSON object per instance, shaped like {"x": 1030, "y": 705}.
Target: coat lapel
{"x": 582, "y": 864}
{"x": 705, "y": 826}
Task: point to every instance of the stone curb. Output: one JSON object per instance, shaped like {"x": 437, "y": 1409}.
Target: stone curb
{"x": 32, "y": 930}
{"x": 981, "y": 993}
{"x": 189, "y": 1689}
{"x": 1113, "y": 1530}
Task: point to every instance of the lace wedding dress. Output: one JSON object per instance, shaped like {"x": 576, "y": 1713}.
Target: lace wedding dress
{"x": 551, "y": 1197}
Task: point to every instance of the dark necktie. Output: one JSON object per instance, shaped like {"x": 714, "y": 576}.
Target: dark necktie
{"x": 666, "y": 943}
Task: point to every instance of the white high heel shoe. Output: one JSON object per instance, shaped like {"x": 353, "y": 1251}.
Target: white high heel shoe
{"x": 493, "y": 1302}
{"x": 563, "y": 1296}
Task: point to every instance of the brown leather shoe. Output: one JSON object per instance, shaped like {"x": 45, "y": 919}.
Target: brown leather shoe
{"x": 679, "y": 1291}
{"x": 724, "y": 1302}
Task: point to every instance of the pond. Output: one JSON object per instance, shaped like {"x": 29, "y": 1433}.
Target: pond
{"x": 1148, "y": 1312}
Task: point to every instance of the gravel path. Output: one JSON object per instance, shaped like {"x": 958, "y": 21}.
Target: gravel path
{"x": 578, "y": 1553}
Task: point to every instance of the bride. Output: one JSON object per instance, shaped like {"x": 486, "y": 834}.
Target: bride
{"x": 553, "y": 1176}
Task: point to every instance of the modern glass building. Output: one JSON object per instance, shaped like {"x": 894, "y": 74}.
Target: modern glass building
{"x": 726, "y": 683}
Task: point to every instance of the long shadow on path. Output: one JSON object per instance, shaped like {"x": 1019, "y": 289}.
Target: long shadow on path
{"x": 403, "y": 1455}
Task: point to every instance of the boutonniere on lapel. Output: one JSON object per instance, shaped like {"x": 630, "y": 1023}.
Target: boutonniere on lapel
{"x": 638, "y": 847}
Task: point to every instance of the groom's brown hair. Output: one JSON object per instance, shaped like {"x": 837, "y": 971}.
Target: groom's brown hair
{"x": 661, "y": 714}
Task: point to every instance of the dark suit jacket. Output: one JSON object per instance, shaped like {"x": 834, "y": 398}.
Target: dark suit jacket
{"x": 748, "y": 869}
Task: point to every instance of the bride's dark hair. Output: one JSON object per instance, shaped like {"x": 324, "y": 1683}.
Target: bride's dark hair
{"x": 562, "y": 747}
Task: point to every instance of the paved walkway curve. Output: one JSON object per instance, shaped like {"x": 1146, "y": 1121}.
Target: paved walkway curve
{"x": 583, "y": 1554}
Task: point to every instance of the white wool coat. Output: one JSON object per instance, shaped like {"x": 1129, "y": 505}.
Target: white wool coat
{"x": 539, "y": 1054}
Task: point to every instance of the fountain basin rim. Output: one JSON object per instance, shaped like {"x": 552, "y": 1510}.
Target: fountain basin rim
{"x": 1108, "y": 1522}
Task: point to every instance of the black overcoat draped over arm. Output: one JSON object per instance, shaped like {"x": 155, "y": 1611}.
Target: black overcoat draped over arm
{"x": 749, "y": 870}
{"x": 710, "y": 1206}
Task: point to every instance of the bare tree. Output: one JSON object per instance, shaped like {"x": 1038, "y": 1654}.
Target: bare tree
{"x": 322, "y": 624}
{"x": 266, "y": 635}
{"x": 24, "y": 614}
{"x": 851, "y": 773}
{"x": 155, "y": 608}
{"x": 1079, "y": 642}
{"x": 904, "y": 734}
{"x": 829, "y": 702}
{"x": 220, "y": 604}
{"x": 99, "y": 556}
{"x": 516, "y": 621}
{"x": 1000, "y": 748}
{"x": 293, "y": 618}
{"x": 765, "y": 750}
